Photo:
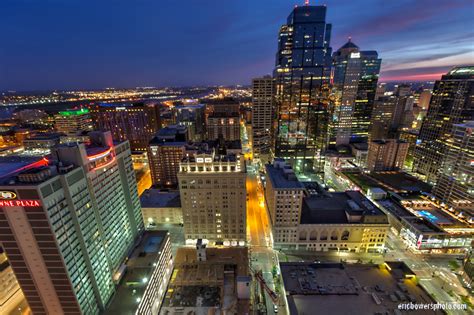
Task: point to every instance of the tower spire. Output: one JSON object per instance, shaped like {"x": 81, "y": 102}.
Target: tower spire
{"x": 306, "y": 2}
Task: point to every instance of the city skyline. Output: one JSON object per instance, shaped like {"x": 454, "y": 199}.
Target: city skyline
{"x": 149, "y": 165}
{"x": 151, "y": 44}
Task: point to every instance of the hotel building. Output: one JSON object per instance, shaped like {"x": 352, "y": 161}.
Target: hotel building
{"x": 136, "y": 122}
{"x": 64, "y": 235}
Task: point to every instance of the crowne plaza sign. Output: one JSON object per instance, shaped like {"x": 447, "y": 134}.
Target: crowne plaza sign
{"x": 9, "y": 199}
{"x": 19, "y": 203}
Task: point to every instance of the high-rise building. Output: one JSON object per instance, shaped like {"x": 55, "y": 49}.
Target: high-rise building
{"x": 222, "y": 105}
{"x": 225, "y": 125}
{"x": 11, "y": 296}
{"x": 136, "y": 122}
{"x": 390, "y": 116}
{"x": 72, "y": 122}
{"x": 193, "y": 117}
{"x": 402, "y": 117}
{"x": 403, "y": 89}
{"x": 355, "y": 83}
{"x": 382, "y": 115}
{"x": 302, "y": 77}
{"x": 452, "y": 103}
{"x": 213, "y": 197}
{"x": 424, "y": 100}
{"x": 284, "y": 194}
{"x": 455, "y": 184}
{"x": 68, "y": 226}
{"x": 165, "y": 151}
{"x": 386, "y": 155}
{"x": 263, "y": 109}
{"x": 380, "y": 91}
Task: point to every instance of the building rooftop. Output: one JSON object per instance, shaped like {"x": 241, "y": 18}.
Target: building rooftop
{"x": 400, "y": 182}
{"x": 201, "y": 287}
{"x": 46, "y": 136}
{"x": 13, "y": 165}
{"x": 340, "y": 208}
{"x": 460, "y": 72}
{"x": 339, "y": 289}
{"x": 423, "y": 225}
{"x": 220, "y": 101}
{"x": 133, "y": 279}
{"x": 282, "y": 175}
{"x": 73, "y": 112}
{"x": 155, "y": 198}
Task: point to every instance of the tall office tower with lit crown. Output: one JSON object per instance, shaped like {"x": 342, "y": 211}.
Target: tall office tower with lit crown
{"x": 355, "y": 80}
{"x": 213, "y": 197}
{"x": 72, "y": 122}
{"x": 452, "y": 103}
{"x": 136, "y": 122}
{"x": 263, "y": 108}
{"x": 67, "y": 227}
{"x": 302, "y": 77}
{"x": 455, "y": 184}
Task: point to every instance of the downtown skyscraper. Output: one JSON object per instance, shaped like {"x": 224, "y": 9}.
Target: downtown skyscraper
{"x": 302, "y": 77}
{"x": 452, "y": 103}
{"x": 355, "y": 77}
{"x": 263, "y": 108}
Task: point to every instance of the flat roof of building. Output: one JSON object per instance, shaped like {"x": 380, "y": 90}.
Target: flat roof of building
{"x": 156, "y": 198}
{"x": 198, "y": 287}
{"x": 279, "y": 180}
{"x": 138, "y": 272}
{"x": 400, "y": 181}
{"x": 46, "y": 136}
{"x": 423, "y": 225}
{"x": 333, "y": 288}
{"x": 13, "y": 164}
{"x": 335, "y": 207}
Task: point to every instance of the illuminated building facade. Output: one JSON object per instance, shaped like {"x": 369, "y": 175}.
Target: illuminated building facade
{"x": 64, "y": 235}
{"x": 10, "y": 292}
{"x": 158, "y": 276}
{"x": 136, "y": 122}
{"x": 386, "y": 155}
{"x": 355, "y": 79}
{"x": 226, "y": 125}
{"x": 455, "y": 183}
{"x": 165, "y": 151}
{"x": 302, "y": 75}
{"x": 452, "y": 103}
{"x": 305, "y": 216}
{"x": 213, "y": 197}
{"x": 72, "y": 122}
{"x": 263, "y": 109}
{"x": 194, "y": 118}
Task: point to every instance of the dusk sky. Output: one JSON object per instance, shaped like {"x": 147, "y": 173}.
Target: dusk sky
{"x": 72, "y": 44}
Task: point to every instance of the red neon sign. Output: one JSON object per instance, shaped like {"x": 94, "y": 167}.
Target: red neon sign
{"x": 20, "y": 203}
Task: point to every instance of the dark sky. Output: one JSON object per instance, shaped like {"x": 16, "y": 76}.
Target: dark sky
{"x": 60, "y": 44}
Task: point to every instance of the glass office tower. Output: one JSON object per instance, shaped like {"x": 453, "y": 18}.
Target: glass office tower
{"x": 452, "y": 103}
{"x": 355, "y": 76}
{"x": 302, "y": 74}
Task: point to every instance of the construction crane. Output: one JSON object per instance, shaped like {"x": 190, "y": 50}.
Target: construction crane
{"x": 259, "y": 276}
